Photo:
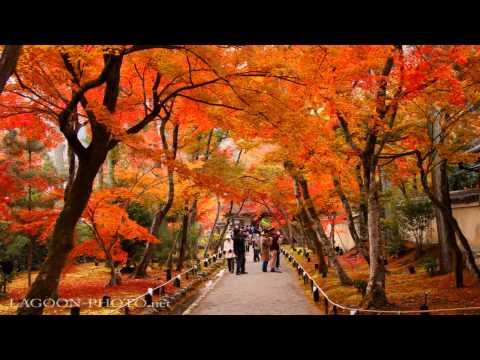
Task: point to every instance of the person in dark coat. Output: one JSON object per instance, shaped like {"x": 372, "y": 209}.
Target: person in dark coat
{"x": 239, "y": 250}
{"x": 274, "y": 251}
{"x": 279, "y": 241}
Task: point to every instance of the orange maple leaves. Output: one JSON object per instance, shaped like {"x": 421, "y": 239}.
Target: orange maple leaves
{"x": 110, "y": 223}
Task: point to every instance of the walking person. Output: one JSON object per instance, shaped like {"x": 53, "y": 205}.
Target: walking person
{"x": 229, "y": 254}
{"x": 280, "y": 240}
{"x": 246, "y": 234}
{"x": 265, "y": 249}
{"x": 256, "y": 248}
{"x": 274, "y": 249}
{"x": 239, "y": 250}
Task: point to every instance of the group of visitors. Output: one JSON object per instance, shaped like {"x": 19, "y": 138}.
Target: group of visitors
{"x": 264, "y": 242}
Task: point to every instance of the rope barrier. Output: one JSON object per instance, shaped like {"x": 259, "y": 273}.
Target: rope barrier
{"x": 151, "y": 290}
{"x": 354, "y": 311}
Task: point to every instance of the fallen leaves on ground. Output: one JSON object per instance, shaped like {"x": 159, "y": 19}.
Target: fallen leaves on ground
{"x": 405, "y": 291}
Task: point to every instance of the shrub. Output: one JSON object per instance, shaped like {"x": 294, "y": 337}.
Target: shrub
{"x": 391, "y": 231}
{"x": 430, "y": 265}
{"x": 415, "y": 218}
{"x": 361, "y": 285}
{"x": 396, "y": 247}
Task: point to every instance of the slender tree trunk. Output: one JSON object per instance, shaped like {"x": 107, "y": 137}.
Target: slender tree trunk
{"x": 322, "y": 236}
{"x": 101, "y": 180}
{"x": 305, "y": 218}
{"x": 289, "y": 225}
{"x": 173, "y": 250}
{"x": 363, "y": 209}
{"x": 115, "y": 279}
{"x": 71, "y": 173}
{"x": 183, "y": 239}
{"x": 141, "y": 270}
{"x": 210, "y": 236}
{"x": 219, "y": 244}
{"x": 57, "y": 158}
{"x": 455, "y": 253}
{"x": 351, "y": 222}
{"x": 110, "y": 170}
{"x": 72, "y": 166}
{"x": 332, "y": 232}
{"x": 306, "y": 236}
{"x": 32, "y": 240}
{"x": 403, "y": 189}
{"x": 375, "y": 296}
{"x": 445, "y": 233}
{"x": 312, "y": 238}
{"x": 453, "y": 224}
{"x": 386, "y": 212}
{"x": 8, "y": 63}
{"x": 193, "y": 212}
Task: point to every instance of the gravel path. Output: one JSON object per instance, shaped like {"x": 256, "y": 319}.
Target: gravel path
{"x": 256, "y": 293}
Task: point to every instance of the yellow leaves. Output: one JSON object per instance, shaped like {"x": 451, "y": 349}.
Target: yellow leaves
{"x": 192, "y": 165}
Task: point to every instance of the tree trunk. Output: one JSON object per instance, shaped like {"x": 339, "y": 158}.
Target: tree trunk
{"x": 141, "y": 270}
{"x": 289, "y": 225}
{"x": 224, "y": 231}
{"x": 445, "y": 233}
{"x": 115, "y": 279}
{"x": 351, "y": 222}
{"x": 455, "y": 252}
{"x": 72, "y": 166}
{"x": 312, "y": 236}
{"x": 71, "y": 172}
{"x": 8, "y": 63}
{"x": 193, "y": 218}
{"x": 305, "y": 219}
{"x": 61, "y": 243}
{"x": 29, "y": 262}
{"x": 191, "y": 223}
{"x": 32, "y": 240}
{"x": 193, "y": 212}
{"x": 440, "y": 190}
{"x": 332, "y": 232}
{"x": 320, "y": 232}
{"x": 375, "y": 296}
{"x": 169, "y": 262}
{"x": 219, "y": 244}
{"x": 453, "y": 224}
{"x": 101, "y": 180}
{"x": 183, "y": 239}
{"x": 363, "y": 209}
{"x": 210, "y": 236}
{"x": 57, "y": 159}
{"x": 111, "y": 170}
